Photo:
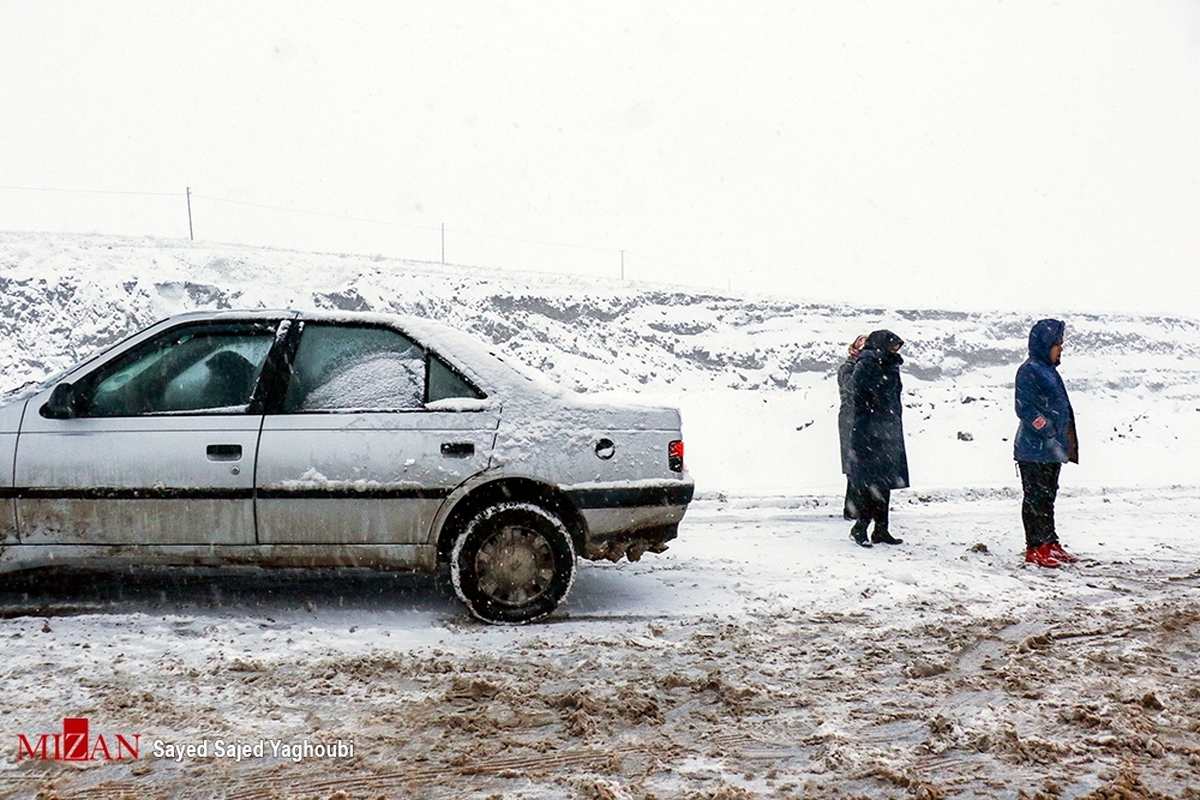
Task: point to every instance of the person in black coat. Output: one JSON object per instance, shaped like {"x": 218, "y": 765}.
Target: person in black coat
{"x": 845, "y": 379}
{"x": 878, "y": 460}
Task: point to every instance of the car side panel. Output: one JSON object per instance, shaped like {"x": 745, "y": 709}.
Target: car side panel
{"x": 571, "y": 444}
{"x": 365, "y": 477}
{"x": 136, "y": 480}
{"x": 8, "y": 507}
{"x": 10, "y": 423}
{"x": 613, "y": 466}
{"x": 14, "y": 558}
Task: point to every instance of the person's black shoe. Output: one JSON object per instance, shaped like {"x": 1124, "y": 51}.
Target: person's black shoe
{"x": 859, "y": 537}
{"x": 885, "y": 538}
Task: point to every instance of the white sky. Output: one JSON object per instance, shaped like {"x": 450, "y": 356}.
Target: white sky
{"x": 979, "y": 155}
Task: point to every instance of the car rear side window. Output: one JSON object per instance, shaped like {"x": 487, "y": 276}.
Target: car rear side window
{"x": 445, "y": 383}
{"x": 355, "y": 367}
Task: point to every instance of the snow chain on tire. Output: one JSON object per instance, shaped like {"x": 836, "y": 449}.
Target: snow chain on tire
{"x": 513, "y": 563}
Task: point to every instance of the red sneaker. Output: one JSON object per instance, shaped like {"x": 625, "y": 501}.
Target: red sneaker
{"x": 1042, "y": 557}
{"x": 1057, "y": 551}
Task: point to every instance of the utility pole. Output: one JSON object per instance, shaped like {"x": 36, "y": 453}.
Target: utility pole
{"x": 191, "y": 235}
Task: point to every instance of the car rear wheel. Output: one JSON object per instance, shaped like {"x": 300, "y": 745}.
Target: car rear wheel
{"x": 513, "y": 563}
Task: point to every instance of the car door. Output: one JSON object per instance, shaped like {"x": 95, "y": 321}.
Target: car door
{"x": 155, "y": 446}
{"x": 353, "y": 453}
{"x": 10, "y": 423}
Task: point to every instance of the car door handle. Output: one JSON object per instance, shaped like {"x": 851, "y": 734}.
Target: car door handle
{"x": 458, "y": 449}
{"x": 224, "y": 452}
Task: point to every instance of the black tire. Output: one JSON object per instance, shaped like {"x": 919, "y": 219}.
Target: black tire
{"x": 513, "y": 563}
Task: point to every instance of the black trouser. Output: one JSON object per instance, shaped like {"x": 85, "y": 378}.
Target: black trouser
{"x": 1039, "y": 483}
{"x": 870, "y": 503}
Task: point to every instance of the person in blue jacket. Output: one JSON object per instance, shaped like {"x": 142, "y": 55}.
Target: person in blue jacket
{"x": 878, "y": 461}
{"x": 1045, "y": 440}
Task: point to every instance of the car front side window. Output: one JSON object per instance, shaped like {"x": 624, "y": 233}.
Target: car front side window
{"x": 190, "y": 370}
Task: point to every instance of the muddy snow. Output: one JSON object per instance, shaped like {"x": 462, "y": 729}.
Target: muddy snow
{"x": 763, "y": 656}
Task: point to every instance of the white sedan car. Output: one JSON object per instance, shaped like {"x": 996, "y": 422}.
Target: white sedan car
{"x": 297, "y": 439}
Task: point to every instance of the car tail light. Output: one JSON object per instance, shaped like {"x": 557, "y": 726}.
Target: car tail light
{"x": 675, "y": 455}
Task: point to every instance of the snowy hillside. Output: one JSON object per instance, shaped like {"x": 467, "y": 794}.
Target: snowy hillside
{"x": 753, "y": 375}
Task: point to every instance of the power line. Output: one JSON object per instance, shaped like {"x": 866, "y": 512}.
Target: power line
{"x": 649, "y": 258}
{"x": 88, "y": 191}
{"x": 443, "y": 229}
{"x": 312, "y": 213}
{"x": 536, "y": 241}
{"x": 404, "y": 225}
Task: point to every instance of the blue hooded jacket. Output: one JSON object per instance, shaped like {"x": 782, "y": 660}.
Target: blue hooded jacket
{"x": 1046, "y": 432}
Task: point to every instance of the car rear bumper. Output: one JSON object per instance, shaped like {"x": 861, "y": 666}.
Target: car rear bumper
{"x": 627, "y": 496}
{"x": 626, "y": 520}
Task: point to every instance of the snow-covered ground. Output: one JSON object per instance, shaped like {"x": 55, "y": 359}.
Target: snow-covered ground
{"x": 762, "y": 656}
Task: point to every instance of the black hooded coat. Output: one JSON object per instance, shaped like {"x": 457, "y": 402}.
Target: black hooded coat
{"x": 877, "y": 454}
{"x": 845, "y": 379}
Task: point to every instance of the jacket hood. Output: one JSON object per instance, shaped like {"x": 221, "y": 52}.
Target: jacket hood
{"x": 1045, "y": 334}
{"x": 883, "y": 341}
